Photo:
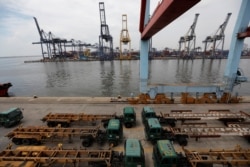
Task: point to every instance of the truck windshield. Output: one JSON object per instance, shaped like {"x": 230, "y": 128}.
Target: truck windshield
{"x": 113, "y": 132}
{"x": 129, "y": 115}
{"x": 14, "y": 114}
{"x": 134, "y": 159}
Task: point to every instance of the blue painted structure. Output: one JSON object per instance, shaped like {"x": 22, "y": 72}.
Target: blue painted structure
{"x": 230, "y": 78}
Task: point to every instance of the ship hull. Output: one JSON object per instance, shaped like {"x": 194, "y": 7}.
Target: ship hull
{"x": 4, "y": 89}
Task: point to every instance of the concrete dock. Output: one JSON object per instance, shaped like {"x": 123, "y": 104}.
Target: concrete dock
{"x": 36, "y": 108}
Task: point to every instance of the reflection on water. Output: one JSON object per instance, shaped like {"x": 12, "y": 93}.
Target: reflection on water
{"x": 57, "y": 74}
{"x": 184, "y": 69}
{"x": 109, "y": 78}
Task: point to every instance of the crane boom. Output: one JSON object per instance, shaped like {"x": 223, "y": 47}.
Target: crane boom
{"x": 194, "y": 24}
{"x": 189, "y": 39}
{"x": 125, "y": 39}
{"x": 39, "y": 30}
{"x": 218, "y": 36}
{"x": 223, "y": 26}
{"x": 106, "y": 51}
{"x": 104, "y": 26}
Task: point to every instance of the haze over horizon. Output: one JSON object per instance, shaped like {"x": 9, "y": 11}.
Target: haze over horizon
{"x": 79, "y": 20}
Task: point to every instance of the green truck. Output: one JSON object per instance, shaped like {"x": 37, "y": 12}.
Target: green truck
{"x": 11, "y": 117}
{"x": 129, "y": 117}
{"x": 154, "y": 131}
{"x": 134, "y": 153}
{"x": 114, "y": 132}
{"x": 164, "y": 155}
{"x": 148, "y": 112}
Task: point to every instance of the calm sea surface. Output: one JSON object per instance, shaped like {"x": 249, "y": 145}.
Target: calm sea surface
{"x": 95, "y": 78}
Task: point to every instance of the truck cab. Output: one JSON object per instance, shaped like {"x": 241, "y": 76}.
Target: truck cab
{"x": 134, "y": 153}
{"x": 114, "y": 132}
{"x": 153, "y": 130}
{"x": 147, "y": 112}
{"x": 164, "y": 155}
{"x": 10, "y": 117}
{"x": 129, "y": 117}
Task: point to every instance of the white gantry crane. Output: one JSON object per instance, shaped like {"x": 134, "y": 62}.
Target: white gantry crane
{"x": 187, "y": 42}
{"x": 218, "y": 36}
{"x": 125, "y": 40}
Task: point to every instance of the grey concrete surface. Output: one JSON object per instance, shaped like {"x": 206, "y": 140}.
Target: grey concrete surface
{"x": 36, "y": 108}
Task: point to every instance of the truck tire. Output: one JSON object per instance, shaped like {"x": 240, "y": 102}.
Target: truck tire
{"x": 17, "y": 141}
{"x": 65, "y": 124}
{"x": 51, "y": 124}
{"x": 86, "y": 142}
{"x": 26, "y": 141}
{"x": 35, "y": 142}
{"x": 101, "y": 138}
{"x": 182, "y": 141}
{"x": 113, "y": 143}
{"x": 128, "y": 125}
{"x": 172, "y": 124}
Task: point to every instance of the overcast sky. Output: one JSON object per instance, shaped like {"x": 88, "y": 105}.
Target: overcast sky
{"x": 79, "y": 20}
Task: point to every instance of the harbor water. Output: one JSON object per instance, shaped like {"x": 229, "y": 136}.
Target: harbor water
{"x": 108, "y": 78}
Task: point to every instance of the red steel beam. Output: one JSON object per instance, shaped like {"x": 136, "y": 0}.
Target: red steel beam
{"x": 142, "y": 16}
{"x": 244, "y": 34}
{"x": 164, "y": 14}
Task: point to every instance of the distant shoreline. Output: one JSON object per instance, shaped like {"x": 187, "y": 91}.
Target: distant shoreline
{"x": 155, "y": 58}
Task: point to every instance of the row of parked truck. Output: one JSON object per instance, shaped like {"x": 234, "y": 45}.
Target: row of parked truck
{"x": 112, "y": 132}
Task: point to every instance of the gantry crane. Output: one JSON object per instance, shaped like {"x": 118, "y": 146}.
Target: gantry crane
{"x": 125, "y": 40}
{"x": 218, "y": 36}
{"x": 56, "y": 47}
{"x": 187, "y": 42}
{"x": 43, "y": 39}
{"x": 105, "y": 39}
{"x": 164, "y": 15}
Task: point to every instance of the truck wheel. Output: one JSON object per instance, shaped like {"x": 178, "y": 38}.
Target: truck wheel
{"x": 86, "y": 142}
{"x": 50, "y": 124}
{"x": 100, "y": 139}
{"x": 65, "y": 125}
{"x": 17, "y": 141}
{"x": 6, "y": 125}
{"x": 26, "y": 141}
{"x": 128, "y": 125}
{"x": 35, "y": 142}
{"x": 113, "y": 143}
{"x": 172, "y": 124}
{"x": 182, "y": 141}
